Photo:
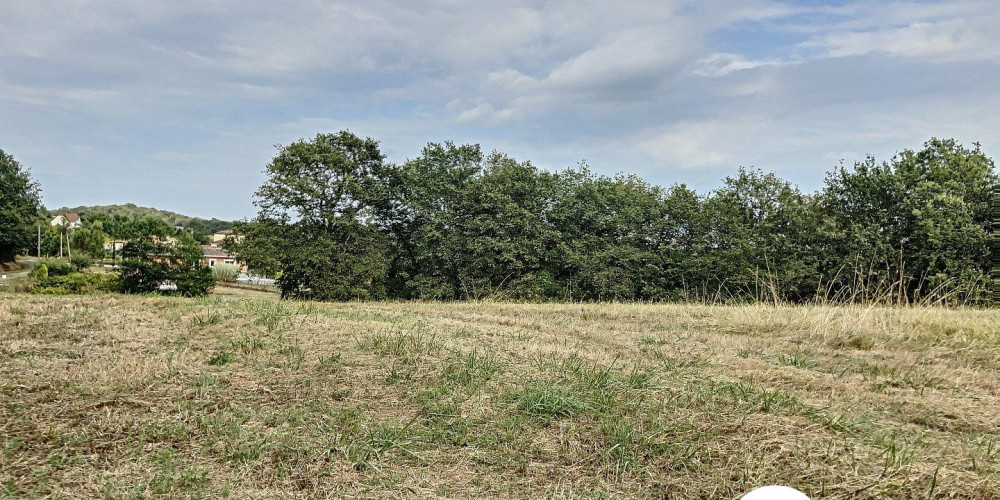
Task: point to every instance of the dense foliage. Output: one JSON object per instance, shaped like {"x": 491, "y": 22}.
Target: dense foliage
{"x": 75, "y": 283}
{"x": 19, "y": 207}
{"x": 317, "y": 217}
{"x": 53, "y": 267}
{"x": 150, "y": 265}
{"x": 338, "y": 222}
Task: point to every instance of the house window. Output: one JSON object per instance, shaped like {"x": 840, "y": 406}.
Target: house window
{"x": 211, "y": 263}
{"x": 230, "y": 261}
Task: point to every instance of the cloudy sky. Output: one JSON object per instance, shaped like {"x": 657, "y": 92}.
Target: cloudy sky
{"x": 179, "y": 105}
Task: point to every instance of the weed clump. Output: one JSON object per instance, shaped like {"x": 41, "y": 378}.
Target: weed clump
{"x": 545, "y": 402}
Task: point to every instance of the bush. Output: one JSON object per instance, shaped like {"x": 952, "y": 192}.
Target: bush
{"x": 226, "y": 273}
{"x": 56, "y": 267}
{"x": 194, "y": 281}
{"x": 40, "y": 272}
{"x": 81, "y": 262}
{"x": 143, "y": 276}
{"x": 77, "y": 283}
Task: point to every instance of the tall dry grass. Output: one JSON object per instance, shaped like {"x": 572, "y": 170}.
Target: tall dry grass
{"x": 124, "y": 397}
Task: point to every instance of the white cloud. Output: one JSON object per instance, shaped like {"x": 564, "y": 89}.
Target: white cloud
{"x": 950, "y": 40}
{"x": 712, "y": 143}
{"x": 629, "y": 65}
{"x": 960, "y": 30}
{"x": 803, "y": 147}
{"x": 55, "y": 96}
{"x": 480, "y": 112}
{"x": 644, "y": 55}
{"x": 722, "y": 64}
{"x": 868, "y": 16}
{"x": 682, "y": 86}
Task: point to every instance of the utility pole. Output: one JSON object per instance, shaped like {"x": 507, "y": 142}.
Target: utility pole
{"x": 38, "y": 253}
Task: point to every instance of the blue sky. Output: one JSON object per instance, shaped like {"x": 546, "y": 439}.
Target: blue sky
{"x": 179, "y": 105}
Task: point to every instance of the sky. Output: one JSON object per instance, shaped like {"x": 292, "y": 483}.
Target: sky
{"x": 180, "y": 105}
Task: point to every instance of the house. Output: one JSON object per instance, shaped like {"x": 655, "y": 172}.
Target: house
{"x": 219, "y": 237}
{"x": 68, "y": 220}
{"x": 212, "y": 255}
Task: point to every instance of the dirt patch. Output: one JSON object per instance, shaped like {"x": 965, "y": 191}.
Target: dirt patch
{"x": 12, "y": 266}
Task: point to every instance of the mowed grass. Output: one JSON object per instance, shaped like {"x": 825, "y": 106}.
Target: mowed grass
{"x": 230, "y": 397}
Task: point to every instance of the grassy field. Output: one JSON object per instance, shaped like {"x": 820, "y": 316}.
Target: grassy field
{"x": 246, "y": 397}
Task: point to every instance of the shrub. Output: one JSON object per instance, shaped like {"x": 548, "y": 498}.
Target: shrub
{"x": 144, "y": 276}
{"x": 141, "y": 276}
{"x": 56, "y": 267}
{"x": 77, "y": 283}
{"x": 80, "y": 262}
{"x": 194, "y": 281}
{"x": 226, "y": 273}
{"x": 40, "y": 272}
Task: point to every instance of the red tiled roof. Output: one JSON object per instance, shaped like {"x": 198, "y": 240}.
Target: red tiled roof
{"x": 72, "y": 217}
{"x": 213, "y": 251}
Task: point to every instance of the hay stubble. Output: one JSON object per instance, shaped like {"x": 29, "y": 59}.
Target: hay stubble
{"x": 125, "y": 397}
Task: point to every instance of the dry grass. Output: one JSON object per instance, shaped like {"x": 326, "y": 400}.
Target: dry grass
{"x": 245, "y": 397}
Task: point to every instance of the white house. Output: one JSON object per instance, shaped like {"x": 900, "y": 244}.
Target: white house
{"x": 69, "y": 220}
{"x": 212, "y": 255}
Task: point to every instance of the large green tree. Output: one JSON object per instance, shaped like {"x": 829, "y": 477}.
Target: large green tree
{"x": 466, "y": 225}
{"x": 259, "y": 242}
{"x": 319, "y": 201}
{"x": 606, "y": 237}
{"x": 337, "y": 222}
{"x": 426, "y": 221}
{"x": 90, "y": 240}
{"x": 19, "y": 207}
{"x": 916, "y": 225}
{"x": 760, "y": 239}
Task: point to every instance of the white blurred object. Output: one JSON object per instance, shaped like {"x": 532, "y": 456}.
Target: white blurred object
{"x": 253, "y": 279}
{"x": 775, "y": 493}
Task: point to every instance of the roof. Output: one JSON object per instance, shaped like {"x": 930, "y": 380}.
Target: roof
{"x": 225, "y": 231}
{"x": 214, "y": 251}
{"x": 66, "y": 218}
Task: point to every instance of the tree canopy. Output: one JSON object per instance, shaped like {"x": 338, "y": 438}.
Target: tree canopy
{"x": 316, "y": 216}
{"x": 338, "y": 222}
{"x": 19, "y": 207}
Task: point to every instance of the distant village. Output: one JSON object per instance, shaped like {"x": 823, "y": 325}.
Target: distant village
{"x": 66, "y": 223}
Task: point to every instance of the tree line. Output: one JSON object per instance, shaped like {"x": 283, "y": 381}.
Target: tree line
{"x": 337, "y": 221}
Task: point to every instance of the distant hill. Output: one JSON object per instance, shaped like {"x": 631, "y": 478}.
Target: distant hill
{"x": 195, "y": 224}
